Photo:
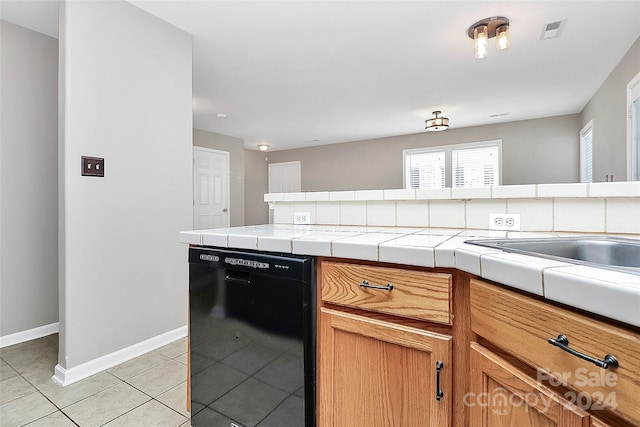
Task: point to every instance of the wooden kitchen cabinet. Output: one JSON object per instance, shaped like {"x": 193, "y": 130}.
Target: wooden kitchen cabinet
{"x": 385, "y": 353}
{"x": 519, "y": 327}
{"x": 375, "y": 373}
{"x": 378, "y": 346}
{"x": 500, "y": 395}
{"x": 415, "y": 294}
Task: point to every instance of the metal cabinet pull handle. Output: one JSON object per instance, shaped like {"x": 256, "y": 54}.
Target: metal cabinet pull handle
{"x": 439, "y": 393}
{"x": 233, "y": 279}
{"x": 366, "y": 284}
{"x": 563, "y": 342}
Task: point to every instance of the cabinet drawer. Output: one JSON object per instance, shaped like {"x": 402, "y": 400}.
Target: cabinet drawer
{"x": 521, "y": 326}
{"x": 407, "y": 293}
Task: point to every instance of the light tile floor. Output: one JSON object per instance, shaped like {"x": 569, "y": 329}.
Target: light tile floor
{"x": 150, "y": 390}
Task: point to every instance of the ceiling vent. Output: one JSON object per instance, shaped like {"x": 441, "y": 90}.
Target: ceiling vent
{"x": 552, "y": 29}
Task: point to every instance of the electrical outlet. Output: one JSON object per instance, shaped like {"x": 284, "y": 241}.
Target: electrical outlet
{"x": 510, "y": 222}
{"x": 302, "y": 218}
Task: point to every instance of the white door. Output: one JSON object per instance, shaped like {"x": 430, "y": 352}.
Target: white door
{"x": 210, "y": 188}
{"x": 284, "y": 177}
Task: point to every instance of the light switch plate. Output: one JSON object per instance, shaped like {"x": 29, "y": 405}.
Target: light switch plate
{"x": 92, "y": 166}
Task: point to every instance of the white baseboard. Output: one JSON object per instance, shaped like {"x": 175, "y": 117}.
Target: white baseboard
{"x": 65, "y": 377}
{"x": 30, "y": 334}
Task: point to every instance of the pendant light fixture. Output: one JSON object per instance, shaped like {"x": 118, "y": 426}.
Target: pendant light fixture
{"x": 482, "y": 31}
{"x": 437, "y": 123}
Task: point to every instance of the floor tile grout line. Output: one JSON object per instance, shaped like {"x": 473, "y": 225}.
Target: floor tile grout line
{"x": 126, "y": 412}
{"x": 62, "y": 409}
{"x": 155, "y": 398}
{"x": 87, "y": 397}
{"x": 53, "y": 403}
{"x": 140, "y": 390}
{"x": 58, "y": 410}
{"x": 141, "y": 372}
{"x": 39, "y": 389}
{"x": 173, "y": 409}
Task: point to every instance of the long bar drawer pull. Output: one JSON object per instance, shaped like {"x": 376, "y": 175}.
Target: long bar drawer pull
{"x": 241, "y": 280}
{"x": 439, "y": 392}
{"x": 563, "y": 342}
{"x": 388, "y": 287}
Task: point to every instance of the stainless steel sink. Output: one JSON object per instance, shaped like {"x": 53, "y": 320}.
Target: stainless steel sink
{"x": 599, "y": 251}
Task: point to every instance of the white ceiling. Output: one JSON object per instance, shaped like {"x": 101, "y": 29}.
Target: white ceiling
{"x": 301, "y": 73}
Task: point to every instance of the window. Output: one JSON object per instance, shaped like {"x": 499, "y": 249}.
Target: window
{"x": 475, "y": 164}
{"x": 425, "y": 169}
{"x": 586, "y": 153}
{"x": 475, "y": 167}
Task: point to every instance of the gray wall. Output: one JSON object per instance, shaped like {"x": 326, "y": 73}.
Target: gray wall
{"x": 125, "y": 95}
{"x": 534, "y": 151}
{"x": 256, "y": 185}
{"x": 28, "y": 180}
{"x": 607, "y": 109}
{"x": 235, "y": 148}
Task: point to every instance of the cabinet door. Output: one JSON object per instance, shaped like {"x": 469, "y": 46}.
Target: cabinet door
{"x": 374, "y": 373}
{"x": 521, "y": 325}
{"x": 501, "y": 395}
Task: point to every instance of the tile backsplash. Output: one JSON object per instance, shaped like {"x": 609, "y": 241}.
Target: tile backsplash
{"x": 591, "y": 208}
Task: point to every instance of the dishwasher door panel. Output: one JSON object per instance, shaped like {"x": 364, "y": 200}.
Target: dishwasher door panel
{"x": 251, "y": 349}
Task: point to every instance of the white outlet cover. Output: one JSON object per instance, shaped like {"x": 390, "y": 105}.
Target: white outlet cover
{"x": 508, "y": 222}
{"x": 302, "y": 218}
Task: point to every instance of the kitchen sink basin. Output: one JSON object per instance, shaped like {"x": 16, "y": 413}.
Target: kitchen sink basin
{"x": 599, "y": 251}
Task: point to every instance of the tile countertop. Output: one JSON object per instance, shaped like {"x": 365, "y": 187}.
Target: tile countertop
{"x": 609, "y": 293}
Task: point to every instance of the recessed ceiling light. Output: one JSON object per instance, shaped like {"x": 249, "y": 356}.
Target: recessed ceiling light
{"x": 221, "y": 115}
{"x": 263, "y": 147}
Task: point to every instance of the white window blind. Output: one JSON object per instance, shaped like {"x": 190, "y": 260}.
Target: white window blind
{"x": 425, "y": 169}
{"x": 586, "y": 153}
{"x": 475, "y": 167}
{"x": 473, "y": 164}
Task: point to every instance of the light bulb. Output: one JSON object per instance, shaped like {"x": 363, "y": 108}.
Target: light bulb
{"x": 481, "y": 41}
{"x": 502, "y": 37}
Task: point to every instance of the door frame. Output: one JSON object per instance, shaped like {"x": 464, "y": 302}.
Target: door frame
{"x": 193, "y": 177}
{"x": 633, "y": 87}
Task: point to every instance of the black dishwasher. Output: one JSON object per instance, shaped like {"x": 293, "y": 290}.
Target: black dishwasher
{"x": 252, "y": 340}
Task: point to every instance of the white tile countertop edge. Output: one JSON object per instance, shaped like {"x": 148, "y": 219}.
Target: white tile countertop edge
{"x": 608, "y": 293}
{"x": 600, "y": 189}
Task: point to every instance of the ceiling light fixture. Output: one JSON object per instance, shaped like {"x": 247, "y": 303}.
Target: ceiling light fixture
{"x": 482, "y": 31}
{"x": 437, "y": 123}
{"x": 263, "y": 147}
